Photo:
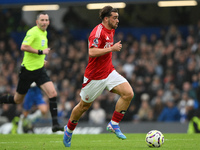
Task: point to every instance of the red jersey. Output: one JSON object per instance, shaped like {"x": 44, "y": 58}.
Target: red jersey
{"x": 100, "y": 67}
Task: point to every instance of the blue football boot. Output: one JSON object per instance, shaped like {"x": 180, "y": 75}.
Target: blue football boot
{"x": 116, "y": 129}
{"x": 67, "y": 137}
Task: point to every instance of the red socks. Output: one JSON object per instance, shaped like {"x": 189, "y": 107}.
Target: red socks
{"x": 71, "y": 125}
{"x": 117, "y": 117}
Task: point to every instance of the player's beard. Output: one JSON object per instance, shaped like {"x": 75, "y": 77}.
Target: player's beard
{"x": 111, "y": 25}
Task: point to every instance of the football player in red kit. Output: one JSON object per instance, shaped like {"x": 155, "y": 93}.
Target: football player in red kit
{"x": 100, "y": 74}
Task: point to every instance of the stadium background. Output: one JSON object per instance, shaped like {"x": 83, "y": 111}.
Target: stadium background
{"x": 160, "y": 53}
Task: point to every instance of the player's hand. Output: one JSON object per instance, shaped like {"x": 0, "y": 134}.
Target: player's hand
{"x": 117, "y": 46}
{"x": 46, "y": 51}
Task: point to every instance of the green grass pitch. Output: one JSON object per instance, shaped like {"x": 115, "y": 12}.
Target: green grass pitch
{"x": 96, "y": 142}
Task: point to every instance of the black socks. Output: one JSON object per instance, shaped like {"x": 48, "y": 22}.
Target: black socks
{"x": 53, "y": 110}
{"x": 7, "y": 99}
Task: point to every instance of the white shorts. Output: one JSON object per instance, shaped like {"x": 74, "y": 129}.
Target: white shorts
{"x": 94, "y": 88}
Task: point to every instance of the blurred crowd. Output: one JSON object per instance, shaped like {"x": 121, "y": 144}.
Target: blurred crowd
{"x": 164, "y": 72}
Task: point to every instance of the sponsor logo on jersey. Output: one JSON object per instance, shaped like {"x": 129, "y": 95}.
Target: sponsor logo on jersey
{"x": 108, "y": 44}
{"x": 95, "y": 42}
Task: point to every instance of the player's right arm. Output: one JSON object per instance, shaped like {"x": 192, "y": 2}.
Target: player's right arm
{"x": 96, "y": 52}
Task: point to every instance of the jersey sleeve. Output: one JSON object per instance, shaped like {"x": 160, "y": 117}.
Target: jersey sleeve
{"x": 95, "y": 39}
{"x": 28, "y": 39}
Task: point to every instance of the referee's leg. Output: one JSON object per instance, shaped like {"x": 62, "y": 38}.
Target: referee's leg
{"x": 10, "y": 99}
{"x": 50, "y": 91}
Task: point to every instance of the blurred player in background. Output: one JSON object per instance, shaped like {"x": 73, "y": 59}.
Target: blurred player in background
{"x": 35, "y": 47}
{"x": 100, "y": 74}
{"x": 194, "y": 123}
{"x": 33, "y": 97}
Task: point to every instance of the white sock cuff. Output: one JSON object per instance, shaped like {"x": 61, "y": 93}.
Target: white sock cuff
{"x": 114, "y": 123}
{"x": 70, "y": 131}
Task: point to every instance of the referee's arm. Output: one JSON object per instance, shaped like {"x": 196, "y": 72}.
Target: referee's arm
{"x": 28, "y": 48}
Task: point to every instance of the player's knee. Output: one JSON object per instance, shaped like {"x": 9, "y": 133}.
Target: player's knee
{"x": 44, "y": 111}
{"x": 128, "y": 95}
{"x": 131, "y": 95}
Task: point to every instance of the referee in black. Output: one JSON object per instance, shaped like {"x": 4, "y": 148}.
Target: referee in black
{"x": 35, "y": 47}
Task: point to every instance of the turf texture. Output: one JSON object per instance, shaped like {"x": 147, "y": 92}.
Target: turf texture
{"x": 96, "y": 142}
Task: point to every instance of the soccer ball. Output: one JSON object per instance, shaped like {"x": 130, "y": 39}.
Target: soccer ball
{"x": 154, "y": 138}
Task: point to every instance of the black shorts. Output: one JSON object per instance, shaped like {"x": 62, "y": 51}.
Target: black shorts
{"x": 26, "y": 78}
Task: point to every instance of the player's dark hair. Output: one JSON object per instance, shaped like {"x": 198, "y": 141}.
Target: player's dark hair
{"x": 106, "y": 12}
{"x": 42, "y": 13}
